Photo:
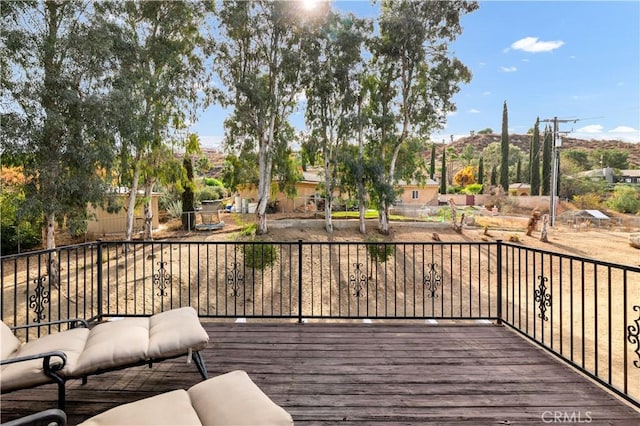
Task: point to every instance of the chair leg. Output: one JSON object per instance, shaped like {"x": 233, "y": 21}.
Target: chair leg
{"x": 197, "y": 358}
{"x": 62, "y": 399}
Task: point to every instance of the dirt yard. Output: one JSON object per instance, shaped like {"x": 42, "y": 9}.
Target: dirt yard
{"x": 594, "y": 243}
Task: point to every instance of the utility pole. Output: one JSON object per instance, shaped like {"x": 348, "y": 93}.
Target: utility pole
{"x": 555, "y": 158}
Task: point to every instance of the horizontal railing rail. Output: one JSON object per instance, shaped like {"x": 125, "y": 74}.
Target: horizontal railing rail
{"x": 584, "y": 311}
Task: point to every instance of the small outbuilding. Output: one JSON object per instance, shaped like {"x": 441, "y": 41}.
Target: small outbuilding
{"x": 585, "y": 218}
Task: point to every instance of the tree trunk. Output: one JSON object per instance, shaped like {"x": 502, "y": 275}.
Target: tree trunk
{"x": 384, "y": 218}
{"x": 53, "y": 267}
{"x": 132, "y": 202}
{"x": 148, "y": 212}
{"x": 264, "y": 187}
{"x": 328, "y": 197}
{"x": 361, "y": 189}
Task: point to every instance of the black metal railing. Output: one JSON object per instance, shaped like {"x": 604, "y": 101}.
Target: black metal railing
{"x": 584, "y": 311}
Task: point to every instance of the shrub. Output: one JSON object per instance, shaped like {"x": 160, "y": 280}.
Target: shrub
{"x": 174, "y": 208}
{"x": 259, "y": 255}
{"x": 474, "y": 188}
{"x": 213, "y": 182}
{"x": 380, "y": 252}
{"x": 210, "y": 193}
{"x": 625, "y": 199}
{"x": 587, "y": 201}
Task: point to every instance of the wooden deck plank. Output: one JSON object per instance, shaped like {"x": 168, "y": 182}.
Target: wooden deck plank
{"x": 353, "y": 373}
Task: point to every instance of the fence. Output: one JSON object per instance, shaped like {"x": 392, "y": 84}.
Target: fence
{"x": 584, "y": 311}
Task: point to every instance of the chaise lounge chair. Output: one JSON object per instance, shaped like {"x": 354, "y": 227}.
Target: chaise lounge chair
{"x": 79, "y": 352}
{"x": 230, "y": 399}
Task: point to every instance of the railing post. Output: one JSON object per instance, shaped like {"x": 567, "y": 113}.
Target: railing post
{"x": 499, "y": 278}
{"x": 99, "y": 278}
{"x": 299, "y": 281}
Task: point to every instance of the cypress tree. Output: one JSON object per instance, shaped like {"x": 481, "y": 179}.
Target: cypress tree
{"x": 519, "y": 170}
{"x": 481, "y": 171}
{"x": 546, "y": 161}
{"x": 433, "y": 161}
{"x": 494, "y": 175}
{"x": 188, "y": 207}
{"x": 443, "y": 177}
{"x": 504, "y": 150}
{"x": 535, "y": 159}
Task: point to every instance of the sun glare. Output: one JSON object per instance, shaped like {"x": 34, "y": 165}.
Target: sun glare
{"x": 309, "y": 4}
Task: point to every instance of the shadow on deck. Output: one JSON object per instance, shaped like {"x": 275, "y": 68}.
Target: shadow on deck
{"x": 353, "y": 373}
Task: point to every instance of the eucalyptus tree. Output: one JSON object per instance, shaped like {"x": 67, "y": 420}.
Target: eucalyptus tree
{"x": 332, "y": 67}
{"x": 259, "y": 62}
{"x": 160, "y": 48}
{"x": 53, "y": 85}
{"x": 413, "y": 78}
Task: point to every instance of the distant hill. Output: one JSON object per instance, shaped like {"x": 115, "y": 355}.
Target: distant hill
{"x": 479, "y": 142}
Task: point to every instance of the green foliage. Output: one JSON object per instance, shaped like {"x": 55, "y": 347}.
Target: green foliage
{"x": 443, "y": 173}
{"x": 474, "y": 188}
{"x": 534, "y": 160}
{"x": 259, "y": 255}
{"x": 625, "y": 199}
{"x": 576, "y": 157}
{"x": 504, "y": 150}
{"x": 487, "y": 131}
{"x": 174, "y": 208}
{"x": 379, "y": 251}
{"x": 570, "y": 187}
{"x": 16, "y": 232}
{"x": 587, "y": 201}
{"x": 546, "y": 161}
{"x": 213, "y": 182}
{"x": 248, "y": 230}
{"x": 56, "y": 123}
{"x": 614, "y": 158}
{"x": 188, "y": 199}
{"x": 210, "y": 193}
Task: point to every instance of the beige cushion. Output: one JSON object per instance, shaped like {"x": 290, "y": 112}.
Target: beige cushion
{"x": 114, "y": 343}
{"x": 109, "y": 345}
{"x": 9, "y": 343}
{"x": 172, "y": 332}
{"x": 231, "y": 399}
{"x": 30, "y": 373}
{"x": 171, "y": 408}
{"x": 234, "y": 399}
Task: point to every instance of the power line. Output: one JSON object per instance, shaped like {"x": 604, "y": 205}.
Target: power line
{"x": 555, "y": 166}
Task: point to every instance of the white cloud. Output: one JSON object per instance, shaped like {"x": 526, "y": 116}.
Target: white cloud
{"x": 624, "y": 129}
{"x": 474, "y": 111}
{"x": 525, "y": 60}
{"x": 508, "y": 69}
{"x": 597, "y": 132}
{"x": 593, "y": 128}
{"x": 535, "y": 45}
{"x": 487, "y": 93}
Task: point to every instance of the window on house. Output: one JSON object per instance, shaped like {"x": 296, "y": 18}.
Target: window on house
{"x": 414, "y": 195}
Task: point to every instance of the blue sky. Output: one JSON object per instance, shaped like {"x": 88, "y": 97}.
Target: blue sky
{"x": 571, "y": 60}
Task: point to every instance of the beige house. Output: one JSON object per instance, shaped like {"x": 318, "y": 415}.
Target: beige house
{"x": 309, "y": 198}
{"x": 103, "y": 223}
{"x": 414, "y": 193}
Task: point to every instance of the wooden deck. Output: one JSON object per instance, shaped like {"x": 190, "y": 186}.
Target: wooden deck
{"x": 354, "y": 373}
